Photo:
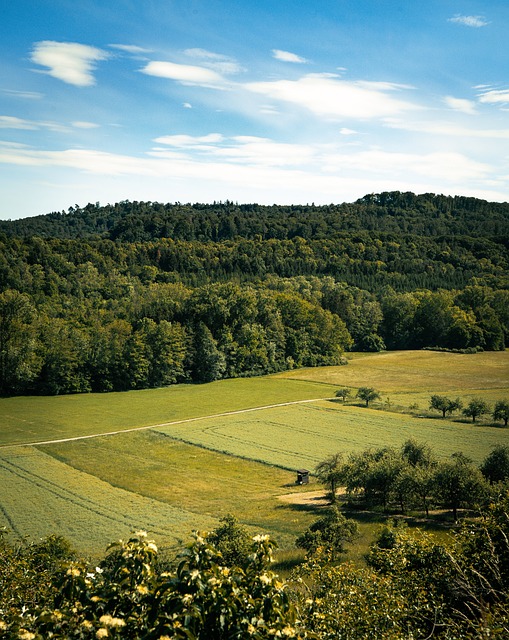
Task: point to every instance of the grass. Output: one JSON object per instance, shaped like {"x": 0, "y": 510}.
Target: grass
{"x": 41, "y": 496}
{"x": 408, "y": 377}
{"x": 303, "y": 435}
{"x": 35, "y": 418}
{"x": 206, "y": 482}
{"x": 174, "y": 478}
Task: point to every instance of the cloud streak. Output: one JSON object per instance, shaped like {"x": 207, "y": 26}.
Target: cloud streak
{"x": 287, "y": 56}
{"x": 470, "y": 21}
{"x": 185, "y": 74}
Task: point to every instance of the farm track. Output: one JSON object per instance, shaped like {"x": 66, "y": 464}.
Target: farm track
{"x": 161, "y": 425}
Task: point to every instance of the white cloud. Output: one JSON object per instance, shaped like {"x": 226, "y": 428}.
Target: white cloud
{"x": 445, "y": 128}
{"x": 11, "y": 122}
{"x": 25, "y": 95}
{"x": 80, "y": 124}
{"x": 251, "y": 169}
{"x": 443, "y": 166}
{"x": 459, "y": 104}
{"x": 70, "y": 62}
{"x": 470, "y": 21}
{"x": 129, "y": 48}
{"x": 287, "y": 56}
{"x": 184, "y": 73}
{"x": 330, "y": 97}
{"x": 495, "y": 96}
{"x": 347, "y": 132}
{"x": 189, "y": 141}
{"x": 224, "y": 65}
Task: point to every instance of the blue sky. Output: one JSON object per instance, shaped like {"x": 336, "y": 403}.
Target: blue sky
{"x": 269, "y": 102}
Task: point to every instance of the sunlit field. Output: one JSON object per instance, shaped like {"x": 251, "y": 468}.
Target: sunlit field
{"x": 188, "y": 465}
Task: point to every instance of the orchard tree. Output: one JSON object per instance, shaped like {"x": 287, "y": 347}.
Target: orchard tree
{"x": 328, "y": 534}
{"x": 444, "y": 404}
{"x": 501, "y": 412}
{"x": 458, "y": 484}
{"x": 329, "y": 472}
{"x": 343, "y": 393}
{"x": 232, "y": 540}
{"x": 495, "y": 467}
{"x": 367, "y": 394}
{"x": 476, "y": 408}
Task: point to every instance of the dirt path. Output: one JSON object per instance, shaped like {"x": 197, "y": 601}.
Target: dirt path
{"x": 156, "y": 426}
{"x": 306, "y": 498}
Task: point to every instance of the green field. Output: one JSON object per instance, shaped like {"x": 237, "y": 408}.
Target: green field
{"x": 303, "y": 435}
{"x": 175, "y": 476}
{"x": 35, "y": 418}
{"x": 41, "y": 496}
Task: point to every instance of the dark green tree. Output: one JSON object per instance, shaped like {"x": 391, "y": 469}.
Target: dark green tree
{"x": 444, "y": 404}
{"x": 328, "y": 534}
{"x": 208, "y": 362}
{"x": 476, "y": 408}
{"x": 458, "y": 484}
{"x": 495, "y": 466}
{"x": 232, "y": 540}
{"x": 368, "y": 394}
{"x": 501, "y": 411}
{"x": 330, "y": 472}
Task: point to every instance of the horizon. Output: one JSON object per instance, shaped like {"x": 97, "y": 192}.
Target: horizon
{"x": 231, "y": 101}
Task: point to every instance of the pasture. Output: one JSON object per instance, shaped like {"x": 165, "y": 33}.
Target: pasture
{"x": 175, "y": 464}
{"x": 302, "y": 435}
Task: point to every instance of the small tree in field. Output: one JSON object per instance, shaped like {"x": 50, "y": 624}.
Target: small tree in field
{"x": 329, "y": 473}
{"x": 476, "y": 408}
{"x": 501, "y": 412}
{"x": 343, "y": 393}
{"x": 444, "y": 404}
{"x": 368, "y": 394}
{"x": 328, "y": 534}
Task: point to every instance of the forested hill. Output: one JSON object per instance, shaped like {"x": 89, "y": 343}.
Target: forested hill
{"x": 138, "y": 295}
{"x": 389, "y": 212}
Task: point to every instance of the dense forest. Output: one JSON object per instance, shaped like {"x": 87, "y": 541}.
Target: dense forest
{"x": 142, "y": 294}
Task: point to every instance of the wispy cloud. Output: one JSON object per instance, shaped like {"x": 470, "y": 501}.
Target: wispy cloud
{"x": 185, "y": 73}
{"x": 183, "y": 140}
{"x": 252, "y": 157}
{"x": 495, "y": 96}
{"x": 287, "y": 56}
{"x": 129, "y": 48}
{"x": 81, "y": 124}
{"x": 224, "y": 65}
{"x": 70, "y": 62}
{"x": 23, "y": 95}
{"x": 444, "y": 128}
{"x": 470, "y": 21}
{"x": 460, "y": 104}
{"x": 11, "y": 122}
{"x": 328, "y": 96}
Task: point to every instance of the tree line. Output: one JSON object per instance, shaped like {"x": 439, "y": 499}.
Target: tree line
{"x": 83, "y": 309}
{"x": 392, "y": 212}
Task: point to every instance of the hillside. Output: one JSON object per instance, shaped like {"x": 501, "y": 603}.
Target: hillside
{"x": 141, "y": 295}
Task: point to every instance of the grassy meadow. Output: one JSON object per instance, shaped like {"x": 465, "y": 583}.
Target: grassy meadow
{"x": 175, "y": 476}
